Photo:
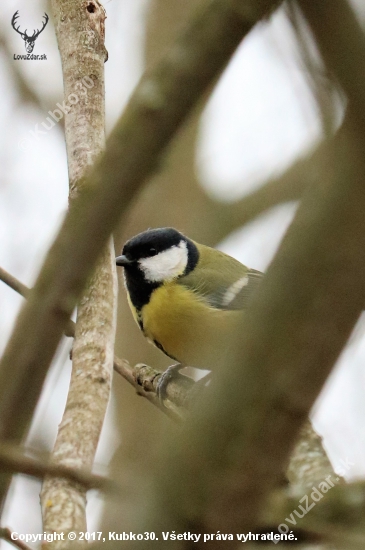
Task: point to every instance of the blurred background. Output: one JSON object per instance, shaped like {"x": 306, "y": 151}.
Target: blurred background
{"x": 272, "y": 105}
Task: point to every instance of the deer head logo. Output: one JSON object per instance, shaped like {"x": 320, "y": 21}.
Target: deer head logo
{"x": 28, "y": 40}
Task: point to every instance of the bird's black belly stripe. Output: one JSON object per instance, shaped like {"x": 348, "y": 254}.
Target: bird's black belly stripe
{"x": 140, "y": 320}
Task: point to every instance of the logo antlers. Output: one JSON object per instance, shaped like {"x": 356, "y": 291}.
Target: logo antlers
{"x": 28, "y": 40}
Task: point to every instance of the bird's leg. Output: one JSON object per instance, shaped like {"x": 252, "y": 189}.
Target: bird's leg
{"x": 171, "y": 372}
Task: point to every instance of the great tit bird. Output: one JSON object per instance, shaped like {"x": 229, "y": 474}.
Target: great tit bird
{"x": 185, "y": 297}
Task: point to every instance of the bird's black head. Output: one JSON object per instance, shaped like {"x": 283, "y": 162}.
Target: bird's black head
{"x": 152, "y": 242}
{"x": 154, "y": 257}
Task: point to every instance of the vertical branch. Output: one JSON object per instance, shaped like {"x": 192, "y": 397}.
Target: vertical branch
{"x": 80, "y": 33}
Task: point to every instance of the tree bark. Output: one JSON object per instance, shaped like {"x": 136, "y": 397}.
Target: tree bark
{"x": 80, "y": 32}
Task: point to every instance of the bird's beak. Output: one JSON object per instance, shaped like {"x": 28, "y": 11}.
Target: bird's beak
{"x": 123, "y": 261}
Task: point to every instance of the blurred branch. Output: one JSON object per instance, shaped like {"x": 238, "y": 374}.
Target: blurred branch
{"x": 160, "y": 103}
{"x": 177, "y": 182}
{"x": 14, "y": 461}
{"x": 286, "y": 187}
{"x": 290, "y": 186}
{"x": 319, "y": 81}
{"x": 342, "y": 45}
{"x": 25, "y": 91}
{"x": 5, "y": 534}
{"x": 342, "y": 512}
{"x": 337, "y": 514}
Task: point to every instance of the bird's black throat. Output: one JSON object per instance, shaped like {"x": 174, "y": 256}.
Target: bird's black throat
{"x": 140, "y": 289}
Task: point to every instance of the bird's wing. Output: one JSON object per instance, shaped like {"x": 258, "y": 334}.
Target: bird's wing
{"x": 237, "y": 296}
{"x": 230, "y": 289}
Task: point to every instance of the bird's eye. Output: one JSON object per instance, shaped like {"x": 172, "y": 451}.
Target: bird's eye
{"x": 152, "y": 251}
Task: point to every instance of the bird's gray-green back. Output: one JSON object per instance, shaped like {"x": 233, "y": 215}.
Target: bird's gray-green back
{"x": 221, "y": 280}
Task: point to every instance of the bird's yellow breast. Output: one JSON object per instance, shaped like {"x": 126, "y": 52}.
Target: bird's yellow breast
{"x": 186, "y": 327}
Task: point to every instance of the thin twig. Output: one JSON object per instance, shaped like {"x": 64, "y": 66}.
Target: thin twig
{"x": 14, "y": 461}
{"x": 14, "y": 283}
{"x": 24, "y": 291}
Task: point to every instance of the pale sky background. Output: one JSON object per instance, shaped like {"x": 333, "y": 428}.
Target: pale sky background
{"x": 259, "y": 119}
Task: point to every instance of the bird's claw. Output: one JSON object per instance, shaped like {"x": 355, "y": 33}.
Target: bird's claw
{"x": 166, "y": 377}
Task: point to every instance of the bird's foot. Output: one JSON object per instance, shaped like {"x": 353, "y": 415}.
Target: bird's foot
{"x": 170, "y": 373}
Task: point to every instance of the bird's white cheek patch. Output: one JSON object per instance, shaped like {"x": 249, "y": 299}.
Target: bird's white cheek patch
{"x": 233, "y": 290}
{"x": 166, "y": 265}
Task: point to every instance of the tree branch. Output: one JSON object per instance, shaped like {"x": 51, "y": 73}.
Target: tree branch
{"x": 80, "y": 35}
{"x": 14, "y": 461}
{"x": 14, "y": 283}
{"x": 309, "y": 473}
{"x": 309, "y": 463}
{"x": 342, "y": 45}
{"x": 336, "y": 516}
